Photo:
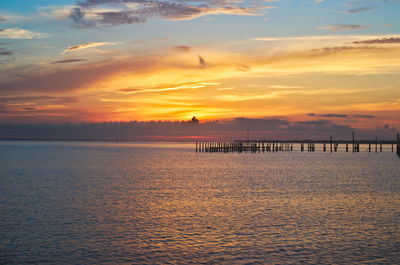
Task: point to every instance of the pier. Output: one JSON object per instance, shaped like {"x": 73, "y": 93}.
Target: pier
{"x": 272, "y": 146}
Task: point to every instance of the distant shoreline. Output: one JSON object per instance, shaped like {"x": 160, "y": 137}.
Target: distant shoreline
{"x": 297, "y": 141}
{"x": 88, "y": 140}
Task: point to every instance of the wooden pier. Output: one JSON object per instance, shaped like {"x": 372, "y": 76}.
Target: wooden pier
{"x": 331, "y": 145}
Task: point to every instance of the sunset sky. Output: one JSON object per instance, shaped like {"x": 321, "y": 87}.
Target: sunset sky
{"x": 122, "y": 60}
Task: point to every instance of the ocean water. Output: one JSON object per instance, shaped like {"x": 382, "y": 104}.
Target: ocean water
{"x": 162, "y": 203}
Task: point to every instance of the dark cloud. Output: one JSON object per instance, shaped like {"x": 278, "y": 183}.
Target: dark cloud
{"x": 68, "y": 61}
{"x": 362, "y": 116}
{"x": 77, "y": 15}
{"x": 260, "y": 124}
{"x": 4, "y": 52}
{"x": 360, "y": 9}
{"x": 336, "y": 115}
{"x": 354, "y": 10}
{"x": 41, "y": 99}
{"x": 392, "y": 40}
{"x": 333, "y": 115}
{"x": 202, "y": 62}
{"x": 183, "y": 48}
{"x": 29, "y": 109}
{"x": 89, "y": 3}
{"x": 333, "y": 50}
{"x": 146, "y": 9}
{"x": 121, "y": 17}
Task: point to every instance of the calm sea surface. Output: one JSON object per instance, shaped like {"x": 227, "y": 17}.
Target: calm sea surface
{"x": 107, "y": 203}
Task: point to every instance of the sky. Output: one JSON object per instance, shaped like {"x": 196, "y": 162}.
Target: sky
{"x": 71, "y": 61}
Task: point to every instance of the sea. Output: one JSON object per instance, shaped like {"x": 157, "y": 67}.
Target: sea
{"x": 66, "y": 202}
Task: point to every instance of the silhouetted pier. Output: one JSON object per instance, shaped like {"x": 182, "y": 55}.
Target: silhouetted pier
{"x": 330, "y": 145}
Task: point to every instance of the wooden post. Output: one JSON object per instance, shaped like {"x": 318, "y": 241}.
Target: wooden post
{"x": 381, "y": 148}
{"x": 353, "y": 143}
{"x": 347, "y": 147}
{"x": 331, "y": 143}
{"x": 376, "y": 144}
{"x": 369, "y": 148}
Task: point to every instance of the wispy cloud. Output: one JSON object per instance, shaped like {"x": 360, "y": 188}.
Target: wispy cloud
{"x": 340, "y": 115}
{"x": 359, "y": 10}
{"x": 314, "y": 38}
{"x": 68, "y": 61}
{"x": 353, "y": 10}
{"x": 16, "y": 33}
{"x": 183, "y": 48}
{"x": 171, "y": 88}
{"x": 86, "y": 46}
{"x": 391, "y": 40}
{"x": 343, "y": 27}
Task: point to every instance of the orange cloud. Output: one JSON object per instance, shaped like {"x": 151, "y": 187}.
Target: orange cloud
{"x": 86, "y": 46}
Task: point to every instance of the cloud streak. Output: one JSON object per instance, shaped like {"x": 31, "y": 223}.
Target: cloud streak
{"x": 68, "y": 61}
{"x": 354, "y": 10}
{"x": 16, "y": 33}
{"x": 391, "y": 40}
{"x": 339, "y": 115}
{"x": 86, "y": 46}
{"x": 343, "y": 27}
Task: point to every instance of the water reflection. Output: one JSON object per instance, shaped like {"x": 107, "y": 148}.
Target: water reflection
{"x": 104, "y": 203}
